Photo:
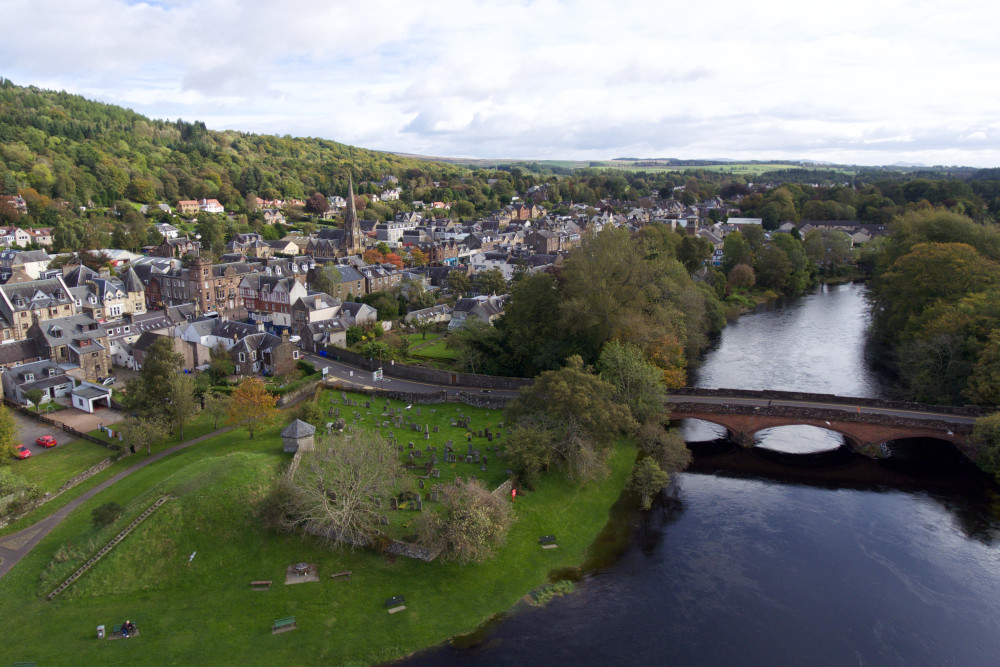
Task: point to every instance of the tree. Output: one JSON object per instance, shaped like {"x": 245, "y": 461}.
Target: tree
{"x": 341, "y": 488}
{"x": 490, "y": 281}
{"x": 181, "y": 402}
{"x": 458, "y": 282}
{"x": 9, "y": 429}
{"x": 471, "y": 524}
{"x": 638, "y": 383}
{"x": 35, "y": 396}
{"x": 741, "y": 277}
{"x": 693, "y": 252}
{"x": 666, "y": 447}
{"x": 424, "y": 325}
{"x": 417, "y": 257}
{"x": 529, "y": 452}
{"x": 252, "y": 407}
{"x": 317, "y": 204}
{"x": 754, "y": 237}
{"x": 386, "y": 305}
{"x": 146, "y": 393}
{"x": 735, "y": 250}
{"x": 216, "y": 405}
{"x": 986, "y": 438}
{"x": 142, "y": 431}
{"x": 578, "y": 407}
{"x": 984, "y": 382}
{"x": 220, "y": 364}
{"x": 647, "y": 480}
{"x": 773, "y": 269}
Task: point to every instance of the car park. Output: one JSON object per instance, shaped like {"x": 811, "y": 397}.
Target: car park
{"x": 21, "y": 452}
{"x": 46, "y": 441}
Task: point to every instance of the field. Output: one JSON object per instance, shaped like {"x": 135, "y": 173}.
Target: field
{"x": 57, "y": 466}
{"x": 183, "y": 575}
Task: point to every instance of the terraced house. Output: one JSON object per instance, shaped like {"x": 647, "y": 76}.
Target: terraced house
{"x": 21, "y": 303}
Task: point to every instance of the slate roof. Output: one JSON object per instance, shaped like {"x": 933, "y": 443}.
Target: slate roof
{"x": 78, "y": 276}
{"x": 19, "y": 351}
{"x": 298, "y": 429}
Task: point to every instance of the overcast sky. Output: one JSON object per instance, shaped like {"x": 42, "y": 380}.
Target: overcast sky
{"x": 866, "y": 82}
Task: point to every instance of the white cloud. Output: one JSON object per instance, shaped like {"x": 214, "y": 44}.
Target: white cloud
{"x": 857, "y": 81}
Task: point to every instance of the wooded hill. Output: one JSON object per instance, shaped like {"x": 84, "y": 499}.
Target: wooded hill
{"x": 69, "y": 148}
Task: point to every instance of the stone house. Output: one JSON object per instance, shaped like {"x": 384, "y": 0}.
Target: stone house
{"x": 78, "y": 343}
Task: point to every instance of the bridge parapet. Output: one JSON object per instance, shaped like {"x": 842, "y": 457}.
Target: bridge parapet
{"x": 964, "y": 411}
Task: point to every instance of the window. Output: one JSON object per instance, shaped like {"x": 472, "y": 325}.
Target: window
{"x": 28, "y": 377}
{"x": 242, "y": 357}
{"x": 295, "y": 354}
{"x": 52, "y": 372}
{"x": 127, "y": 329}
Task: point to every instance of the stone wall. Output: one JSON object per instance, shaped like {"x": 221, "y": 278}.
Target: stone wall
{"x": 292, "y": 396}
{"x": 432, "y": 375}
{"x": 86, "y": 474}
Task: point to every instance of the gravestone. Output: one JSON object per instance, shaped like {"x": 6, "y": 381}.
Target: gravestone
{"x": 411, "y": 457}
{"x": 417, "y": 453}
{"x": 329, "y": 413}
{"x": 409, "y": 445}
{"x": 418, "y": 412}
{"x": 490, "y": 437}
{"x": 468, "y": 459}
{"x": 434, "y": 458}
{"x": 483, "y": 467}
{"x": 393, "y": 503}
{"x": 427, "y": 436}
{"x": 436, "y": 429}
{"x": 368, "y": 404}
{"x": 486, "y": 460}
{"x": 435, "y": 496}
{"x": 420, "y": 483}
{"x": 384, "y": 520}
{"x": 435, "y": 473}
{"x": 418, "y": 505}
{"x": 475, "y": 456}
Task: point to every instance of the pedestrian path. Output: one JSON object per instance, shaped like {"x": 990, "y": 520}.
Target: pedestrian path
{"x": 17, "y": 545}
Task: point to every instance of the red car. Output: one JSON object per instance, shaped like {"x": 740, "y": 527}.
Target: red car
{"x": 22, "y": 452}
{"x": 46, "y": 441}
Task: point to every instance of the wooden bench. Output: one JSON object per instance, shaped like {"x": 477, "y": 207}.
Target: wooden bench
{"x": 548, "y": 541}
{"x": 395, "y": 603}
{"x": 341, "y": 576}
{"x": 116, "y": 632}
{"x": 283, "y": 625}
{"x": 260, "y": 585}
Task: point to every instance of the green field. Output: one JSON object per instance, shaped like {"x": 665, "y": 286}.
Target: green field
{"x": 203, "y": 612}
{"x": 53, "y": 468}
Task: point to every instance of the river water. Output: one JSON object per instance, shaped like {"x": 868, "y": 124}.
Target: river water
{"x": 794, "y": 552}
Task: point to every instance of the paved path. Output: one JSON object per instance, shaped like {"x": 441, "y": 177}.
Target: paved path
{"x": 16, "y": 546}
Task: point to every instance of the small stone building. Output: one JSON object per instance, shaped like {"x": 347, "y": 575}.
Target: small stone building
{"x": 298, "y": 434}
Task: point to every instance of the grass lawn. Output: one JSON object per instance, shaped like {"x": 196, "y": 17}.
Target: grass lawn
{"x": 53, "y": 468}
{"x": 418, "y": 338}
{"x": 437, "y": 350}
{"x": 203, "y": 612}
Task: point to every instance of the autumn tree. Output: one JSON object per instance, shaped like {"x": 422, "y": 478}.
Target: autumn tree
{"x": 741, "y": 276}
{"x": 458, "y": 282}
{"x": 252, "y": 406}
{"x": 317, "y": 204}
{"x": 470, "y": 525}
{"x": 417, "y": 257}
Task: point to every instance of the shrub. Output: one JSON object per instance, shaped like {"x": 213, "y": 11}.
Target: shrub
{"x": 471, "y": 525}
{"x": 306, "y": 367}
{"x": 106, "y": 514}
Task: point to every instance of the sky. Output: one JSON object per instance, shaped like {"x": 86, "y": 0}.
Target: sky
{"x": 858, "y": 82}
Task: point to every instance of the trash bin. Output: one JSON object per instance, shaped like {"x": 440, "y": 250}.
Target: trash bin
{"x": 100, "y": 632}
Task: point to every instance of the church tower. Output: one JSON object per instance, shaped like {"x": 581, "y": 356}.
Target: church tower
{"x": 352, "y": 228}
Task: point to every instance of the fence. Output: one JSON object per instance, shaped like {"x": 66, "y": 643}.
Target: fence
{"x": 69, "y": 429}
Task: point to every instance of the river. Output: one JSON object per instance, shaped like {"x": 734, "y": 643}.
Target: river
{"x": 796, "y": 551}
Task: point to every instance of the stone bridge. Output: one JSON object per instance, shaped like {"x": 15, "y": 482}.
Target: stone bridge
{"x": 866, "y": 424}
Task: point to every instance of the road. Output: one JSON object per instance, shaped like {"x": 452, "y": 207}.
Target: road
{"x": 818, "y": 405}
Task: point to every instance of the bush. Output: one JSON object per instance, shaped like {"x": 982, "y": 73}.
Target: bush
{"x": 471, "y": 525}
{"x": 306, "y": 367}
{"x": 106, "y": 514}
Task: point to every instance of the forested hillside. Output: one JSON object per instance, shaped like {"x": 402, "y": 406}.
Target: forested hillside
{"x": 66, "y": 147}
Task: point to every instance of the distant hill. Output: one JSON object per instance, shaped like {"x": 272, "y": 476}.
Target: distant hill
{"x": 71, "y": 148}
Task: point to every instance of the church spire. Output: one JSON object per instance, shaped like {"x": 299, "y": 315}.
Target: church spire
{"x": 352, "y": 229}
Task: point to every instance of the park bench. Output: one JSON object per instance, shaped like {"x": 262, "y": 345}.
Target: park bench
{"x": 548, "y": 541}
{"x": 260, "y": 585}
{"x": 340, "y": 576}
{"x": 395, "y": 603}
{"x": 116, "y": 631}
{"x": 283, "y": 625}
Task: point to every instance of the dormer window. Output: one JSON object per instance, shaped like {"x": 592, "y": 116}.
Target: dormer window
{"x": 92, "y": 299}
{"x": 28, "y": 377}
{"x": 52, "y": 372}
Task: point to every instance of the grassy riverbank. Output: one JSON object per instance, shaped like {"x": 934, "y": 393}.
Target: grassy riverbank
{"x": 204, "y": 612}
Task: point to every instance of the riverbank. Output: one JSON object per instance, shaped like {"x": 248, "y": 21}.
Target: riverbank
{"x": 183, "y": 576}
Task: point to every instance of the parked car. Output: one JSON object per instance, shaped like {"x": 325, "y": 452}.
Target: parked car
{"x": 22, "y": 452}
{"x": 46, "y": 441}
{"x": 108, "y": 381}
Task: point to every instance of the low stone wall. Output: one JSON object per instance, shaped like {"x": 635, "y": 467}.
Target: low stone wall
{"x": 965, "y": 411}
{"x": 432, "y": 375}
{"x": 504, "y": 489}
{"x": 85, "y": 475}
{"x": 292, "y": 396}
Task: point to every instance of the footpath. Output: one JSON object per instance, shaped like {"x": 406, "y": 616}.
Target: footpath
{"x": 17, "y": 545}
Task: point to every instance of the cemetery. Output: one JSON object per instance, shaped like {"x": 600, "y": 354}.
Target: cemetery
{"x": 209, "y": 545}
